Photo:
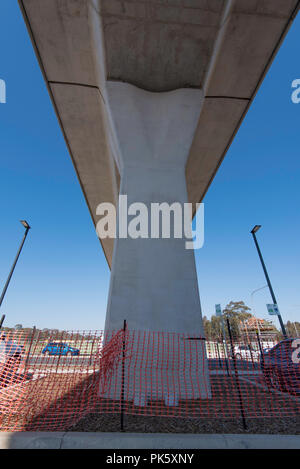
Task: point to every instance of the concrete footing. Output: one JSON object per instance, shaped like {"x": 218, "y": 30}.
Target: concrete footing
{"x": 90, "y": 440}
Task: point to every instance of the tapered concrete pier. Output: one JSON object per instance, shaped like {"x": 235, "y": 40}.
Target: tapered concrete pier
{"x": 149, "y": 95}
{"x": 153, "y": 280}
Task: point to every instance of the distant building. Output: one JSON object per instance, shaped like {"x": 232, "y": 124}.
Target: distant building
{"x": 253, "y": 326}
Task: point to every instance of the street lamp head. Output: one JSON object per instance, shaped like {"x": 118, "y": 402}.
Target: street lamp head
{"x": 255, "y": 229}
{"x": 25, "y": 224}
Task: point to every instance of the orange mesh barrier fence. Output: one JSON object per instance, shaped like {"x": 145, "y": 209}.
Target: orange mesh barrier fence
{"x": 50, "y": 382}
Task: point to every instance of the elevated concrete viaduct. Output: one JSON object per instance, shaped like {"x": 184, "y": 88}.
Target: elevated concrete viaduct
{"x": 149, "y": 95}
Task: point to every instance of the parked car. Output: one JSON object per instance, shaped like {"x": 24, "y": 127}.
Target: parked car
{"x": 60, "y": 348}
{"x": 281, "y": 367}
{"x": 10, "y": 350}
{"x": 246, "y": 352}
{"x": 10, "y": 358}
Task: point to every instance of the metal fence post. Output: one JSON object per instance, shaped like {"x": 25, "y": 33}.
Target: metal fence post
{"x": 259, "y": 344}
{"x": 236, "y": 376}
{"x": 60, "y": 352}
{"x": 262, "y": 355}
{"x": 218, "y": 353}
{"x": 123, "y": 378}
{"x": 29, "y": 349}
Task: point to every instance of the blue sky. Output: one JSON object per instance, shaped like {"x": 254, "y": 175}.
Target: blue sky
{"x": 62, "y": 279}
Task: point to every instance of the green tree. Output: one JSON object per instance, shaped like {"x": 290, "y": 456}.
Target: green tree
{"x": 236, "y": 312}
{"x": 206, "y": 327}
{"x": 293, "y": 328}
{"x": 212, "y": 328}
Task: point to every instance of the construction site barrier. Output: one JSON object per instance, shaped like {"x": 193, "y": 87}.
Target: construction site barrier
{"x": 49, "y": 382}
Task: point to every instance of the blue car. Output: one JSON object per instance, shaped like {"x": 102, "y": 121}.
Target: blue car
{"x": 60, "y": 348}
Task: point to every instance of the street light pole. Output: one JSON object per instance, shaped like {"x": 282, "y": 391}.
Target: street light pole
{"x": 2, "y": 320}
{"x": 254, "y": 291}
{"x": 27, "y": 228}
{"x": 253, "y": 231}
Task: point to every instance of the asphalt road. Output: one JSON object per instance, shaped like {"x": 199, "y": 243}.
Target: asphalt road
{"x": 84, "y": 361}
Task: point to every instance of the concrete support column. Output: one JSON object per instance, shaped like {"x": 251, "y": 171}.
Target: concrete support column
{"x": 153, "y": 281}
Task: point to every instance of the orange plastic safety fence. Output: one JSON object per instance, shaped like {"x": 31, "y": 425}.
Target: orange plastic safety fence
{"x": 51, "y": 381}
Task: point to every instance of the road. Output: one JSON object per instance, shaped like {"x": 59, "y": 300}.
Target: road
{"x": 214, "y": 364}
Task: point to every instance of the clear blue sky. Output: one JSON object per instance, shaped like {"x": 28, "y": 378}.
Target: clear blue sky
{"x": 62, "y": 279}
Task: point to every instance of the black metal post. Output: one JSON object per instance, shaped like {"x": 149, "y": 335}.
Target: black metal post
{"x": 29, "y": 348}
{"x": 259, "y": 344}
{"x": 218, "y": 353}
{"x": 236, "y": 376}
{"x": 269, "y": 283}
{"x": 251, "y": 355}
{"x": 222, "y": 339}
{"x": 123, "y": 378}
{"x": 262, "y": 357}
{"x": 1, "y": 320}
{"x": 14, "y": 265}
{"x": 226, "y": 357}
{"x": 60, "y": 350}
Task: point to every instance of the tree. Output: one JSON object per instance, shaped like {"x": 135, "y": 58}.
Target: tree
{"x": 206, "y": 327}
{"x": 293, "y": 328}
{"x": 236, "y": 312}
{"x": 212, "y": 328}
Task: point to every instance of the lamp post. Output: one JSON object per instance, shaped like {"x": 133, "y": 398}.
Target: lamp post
{"x": 27, "y": 228}
{"x": 253, "y": 231}
{"x": 254, "y": 291}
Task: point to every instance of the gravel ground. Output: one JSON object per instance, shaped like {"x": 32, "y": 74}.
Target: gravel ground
{"x": 137, "y": 423}
{"x": 70, "y": 403}
{"x": 256, "y": 400}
